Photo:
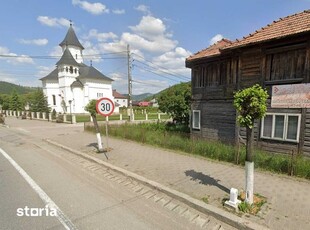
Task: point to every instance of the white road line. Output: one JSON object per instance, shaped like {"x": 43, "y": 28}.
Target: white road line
{"x": 46, "y": 199}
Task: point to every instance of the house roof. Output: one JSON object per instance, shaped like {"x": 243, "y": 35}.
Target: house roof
{"x": 51, "y": 76}
{"x": 284, "y": 27}
{"x": 212, "y": 50}
{"x": 67, "y": 59}
{"x": 89, "y": 72}
{"x": 287, "y": 26}
{"x": 118, "y": 95}
{"x": 71, "y": 39}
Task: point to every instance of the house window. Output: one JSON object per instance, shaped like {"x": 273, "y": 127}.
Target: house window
{"x": 54, "y": 99}
{"x": 285, "y": 65}
{"x": 281, "y": 126}
{"x": 214, "y": 74}
{"x": 71, "y": 69}
{"x": 99, "y": 95}
{"x": 196, "y": 119}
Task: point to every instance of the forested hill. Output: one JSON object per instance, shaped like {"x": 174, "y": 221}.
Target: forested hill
{"x": 8, "y": 88}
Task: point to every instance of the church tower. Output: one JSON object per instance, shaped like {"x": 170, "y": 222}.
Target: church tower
{"x": 72, "y": 42}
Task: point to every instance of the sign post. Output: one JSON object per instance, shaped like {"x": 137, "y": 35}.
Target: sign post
{"x": 105, "y": 107}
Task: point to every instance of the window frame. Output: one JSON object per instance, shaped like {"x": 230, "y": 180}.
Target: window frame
{"x": 199, "y": 120}
{"x": 285, "y": 127}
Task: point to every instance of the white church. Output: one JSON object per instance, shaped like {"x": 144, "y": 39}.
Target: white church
{"x": 72, "y": 84}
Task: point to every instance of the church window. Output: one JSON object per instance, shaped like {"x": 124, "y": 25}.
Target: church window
{"x": 75, "y": 70}
{"x": 54, "y": 99}
{"x": 67, "y": 69}
{"x": 71, "y": 69}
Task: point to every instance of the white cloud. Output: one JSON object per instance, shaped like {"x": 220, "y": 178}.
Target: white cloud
{"x": 13, "y": 58}
{"x": 118, "y": 11}
{"x": 149, "y": 27}
{"x": 156, "y": 45}
{"x": 93, "y": 8}
{"x": 53, "y": 22}
{"x": 216, "y": 38}
{"x": 174, "y": 62}
{"x": 101, "y": 37}
{"x": 143, "y": 8}
{"x": 38, "y": 42}
{"x": 7, "y": 77}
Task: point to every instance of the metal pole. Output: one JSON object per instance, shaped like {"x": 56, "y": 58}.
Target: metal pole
{"x": 129, "y": 84}
{"x": 106, "y": 132}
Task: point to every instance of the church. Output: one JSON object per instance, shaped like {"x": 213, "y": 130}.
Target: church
{"x": 72, "y": 84}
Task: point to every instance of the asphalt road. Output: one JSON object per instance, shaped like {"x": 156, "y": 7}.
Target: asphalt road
{"x": 35, "y": 175}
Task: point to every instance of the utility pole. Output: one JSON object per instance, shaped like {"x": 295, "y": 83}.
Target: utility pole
{"x": 129, "y": 84}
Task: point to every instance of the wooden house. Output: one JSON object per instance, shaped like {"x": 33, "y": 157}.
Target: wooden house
{"x": 276, "y": 57}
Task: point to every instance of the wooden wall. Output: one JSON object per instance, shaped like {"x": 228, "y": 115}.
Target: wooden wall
{"x": 218, "y": 120}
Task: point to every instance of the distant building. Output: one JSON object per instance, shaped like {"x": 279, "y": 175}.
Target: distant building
{"x": 120, "y": 99}
{"x": 144, "y": 103}
{"x": 72, "y": 84}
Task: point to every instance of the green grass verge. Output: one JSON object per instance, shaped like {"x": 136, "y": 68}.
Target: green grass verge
{"x": 161, "y": 135}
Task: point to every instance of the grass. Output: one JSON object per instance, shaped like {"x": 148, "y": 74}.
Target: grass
{"x": 258, "y": 202}
{"x": 151, "y": 116}
{"x": 177, "y": 138}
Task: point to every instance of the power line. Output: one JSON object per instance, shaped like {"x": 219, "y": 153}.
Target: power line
{"x": 151, "y": 71}
{"x": 59, "y": 56}
{"x": 169, "y": 72}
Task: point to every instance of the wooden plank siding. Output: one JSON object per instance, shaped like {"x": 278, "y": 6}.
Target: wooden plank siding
{"x": 214, "y": 81}
{"x": 218, "y": 120}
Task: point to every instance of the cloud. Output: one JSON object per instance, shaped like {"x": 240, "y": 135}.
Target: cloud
{"x": 216, "y": 38}
{"x": 93, "y": 8}
{"x": 173, "y": 62}
{"x": 118, "y": 11}
{"x": 101, "y": 37}
{"x": 53, "y": 22}
{"x": 158, "y": 45}
{"x": 13, "y": 58}
{"x": 149, "y": 27}
{"x": 38, "y": 42}
{"x": 143, "y": 8}
{"x": 7, "y": 77}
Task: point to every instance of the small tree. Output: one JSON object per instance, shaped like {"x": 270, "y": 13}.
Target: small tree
{"x": 251, "y": 104}
{"x": 91, "y": 108}
{"x": 176, "y": 102}
{"x": 15, "y": 102}
{"x": 38, "y": 102}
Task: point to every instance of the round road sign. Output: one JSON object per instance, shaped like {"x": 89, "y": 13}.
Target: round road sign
{"x": 105, "y": 106}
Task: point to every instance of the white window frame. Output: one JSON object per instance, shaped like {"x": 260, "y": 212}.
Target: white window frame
{"x": 286, "y": 115}
{"x": 193, "y": 120}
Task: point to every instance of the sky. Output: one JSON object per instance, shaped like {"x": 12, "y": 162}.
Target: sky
{"x": 161, "y": 34}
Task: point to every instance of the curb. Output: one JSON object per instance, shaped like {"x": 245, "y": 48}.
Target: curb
{"x": 218, "y": 213}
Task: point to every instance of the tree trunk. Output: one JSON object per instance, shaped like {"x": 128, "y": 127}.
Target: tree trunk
{"x": 100, "y": 147}
{"x": 249, "y": 167}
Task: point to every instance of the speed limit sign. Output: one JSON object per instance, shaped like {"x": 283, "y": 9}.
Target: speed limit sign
{"x": 105, "y": 106}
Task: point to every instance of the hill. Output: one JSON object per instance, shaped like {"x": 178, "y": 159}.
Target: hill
{"x": 8, "y": 88}
{"x": 141, "y": 97}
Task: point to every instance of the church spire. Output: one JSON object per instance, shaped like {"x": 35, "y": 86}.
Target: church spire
{"x": 71, "y": 39}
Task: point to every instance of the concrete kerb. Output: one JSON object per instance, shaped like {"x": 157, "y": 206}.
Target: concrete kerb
{"x": 218, "y": 213}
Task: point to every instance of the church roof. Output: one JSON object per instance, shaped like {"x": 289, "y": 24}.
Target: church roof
{"x": 76, "y": 84}
{"x": 89, "y": 72}
{"x": 51, "y": 76}
{"x": 71, "y": 39}
{"x": 67, "y": 59}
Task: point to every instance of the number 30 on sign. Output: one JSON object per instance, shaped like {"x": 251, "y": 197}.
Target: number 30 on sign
{"x": 105, "y": 106}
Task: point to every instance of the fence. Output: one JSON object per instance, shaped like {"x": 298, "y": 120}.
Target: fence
{"x": 74, "y": 118}
{"x": 53, "y": 117}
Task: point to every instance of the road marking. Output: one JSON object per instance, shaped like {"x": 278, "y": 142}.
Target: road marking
{"x": 63, "y": 219}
